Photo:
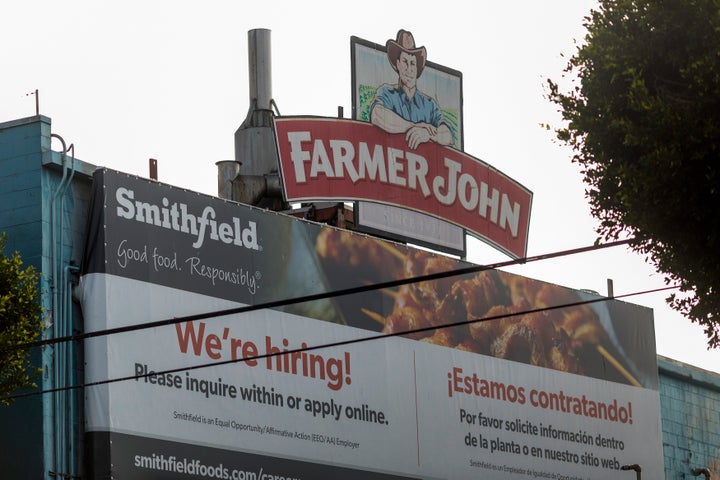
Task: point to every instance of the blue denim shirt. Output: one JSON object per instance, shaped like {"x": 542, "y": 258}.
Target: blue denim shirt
{"x": 422, "y": 108}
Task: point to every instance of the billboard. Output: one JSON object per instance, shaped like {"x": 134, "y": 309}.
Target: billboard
{"x": 331, "y": 159}
{"x": 531, "y": 380}
{"x": 397, "y": 223}
{"x": 374, "y": 67}
{"x": 375, "y": 77}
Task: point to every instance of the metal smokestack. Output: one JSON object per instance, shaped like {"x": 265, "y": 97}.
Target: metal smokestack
{"x": 257, "y": 179}
{"x": 260, "y": 69}
{"x": 227, "y": 173}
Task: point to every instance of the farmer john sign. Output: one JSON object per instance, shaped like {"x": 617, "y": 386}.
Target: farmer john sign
{"x": 330, "y": 159}
{"x": 190, "y": 373}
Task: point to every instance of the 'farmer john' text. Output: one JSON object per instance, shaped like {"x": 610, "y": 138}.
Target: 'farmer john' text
{"x": 324, "y": 159}
{"x": 341, "y": 159}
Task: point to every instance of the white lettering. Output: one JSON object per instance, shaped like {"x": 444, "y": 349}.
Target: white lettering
{"x": 176, "y": 217}
{"x": 509, "y": 216}
{"x": 204, "y": 221}
{"x": 468, "y": 191}
{"x": 320, "y": 161}
{"x": 189, "y": 222}
{"x": 417, "y": 173}
{"x": 451, "y": 188}
{"x": 395, "y": 167}
{"x": 165, "y": 213}
{"x": 225, "y": 231}
{"x": 249, "y": 236}
{"x": 124, "y": 197}
{"x": 373, "y": 164}
{"x": 344, "y": 153}
{"x": 491, "y": 202}
{"x": 355, "y": 162}
{"x": 297, "y": 154}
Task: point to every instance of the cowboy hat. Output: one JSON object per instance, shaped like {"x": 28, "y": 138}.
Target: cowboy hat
{"x": 405, "y": 43}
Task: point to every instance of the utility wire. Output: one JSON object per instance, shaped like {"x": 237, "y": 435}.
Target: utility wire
{"x": 332, "y": 344}
{"x": 313, "y": 297}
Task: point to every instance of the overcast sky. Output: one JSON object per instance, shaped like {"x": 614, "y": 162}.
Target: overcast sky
{"x": 133, "y": 80}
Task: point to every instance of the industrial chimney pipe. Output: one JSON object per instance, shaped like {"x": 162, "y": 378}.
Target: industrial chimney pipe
{"x": 253, "y": 177}
{"x": 260, "y": 66}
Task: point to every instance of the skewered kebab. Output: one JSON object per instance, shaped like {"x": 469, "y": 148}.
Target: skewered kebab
{"x": 552, "y": 338}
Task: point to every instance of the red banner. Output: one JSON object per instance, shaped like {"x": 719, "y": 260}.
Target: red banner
{"x": 343, "y": 160}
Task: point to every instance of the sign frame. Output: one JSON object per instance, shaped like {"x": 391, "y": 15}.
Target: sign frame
{"x": 330, "y": 159}
{"x": 364, "y": 53}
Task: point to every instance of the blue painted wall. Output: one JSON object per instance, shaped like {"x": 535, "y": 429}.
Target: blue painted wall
{"x": 690, "y": 411}
{"x": 22, "y": 144}
{"x": 30, "y": 173}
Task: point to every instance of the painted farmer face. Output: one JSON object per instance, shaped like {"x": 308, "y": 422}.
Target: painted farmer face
{"x": 407, "y": 69}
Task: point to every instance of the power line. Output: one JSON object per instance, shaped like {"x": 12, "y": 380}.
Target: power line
{"x": 333, "y": 344}
{"x": 313, "y": 297}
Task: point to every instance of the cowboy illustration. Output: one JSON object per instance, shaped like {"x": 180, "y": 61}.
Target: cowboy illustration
{"x": 401, "y": 107}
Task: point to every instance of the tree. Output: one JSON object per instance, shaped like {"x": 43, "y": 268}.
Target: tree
{"x": 642, "y": 114}
{"x": 20, "y": 321}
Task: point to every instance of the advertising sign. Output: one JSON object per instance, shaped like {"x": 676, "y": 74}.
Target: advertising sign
{"x": 376, "y": 76}
{"x": 530, "y": 381}
{"x": 396, "y": 223}
{"x": 330, "y": 159}
{"x": 375, "y": 68}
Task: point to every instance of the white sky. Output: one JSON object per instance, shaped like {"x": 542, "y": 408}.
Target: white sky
{"x": 133, "y": 80}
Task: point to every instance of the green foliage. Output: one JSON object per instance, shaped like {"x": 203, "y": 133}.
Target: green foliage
{"x": 367, "y": 95}
{"x": 643, "y": 118}
{"x": 20, "y": 320}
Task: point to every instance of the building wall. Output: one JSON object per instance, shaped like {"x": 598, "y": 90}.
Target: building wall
{"x": 690, "y": 414}
{"x": 35, "y": 208}
{"x": 22, "y": 143}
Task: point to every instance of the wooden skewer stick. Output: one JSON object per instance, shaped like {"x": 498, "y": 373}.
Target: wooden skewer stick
{"x": 386, "y": 291}
{"x": 393, "y": 250}
{"x": 389, "y": 293}
{"x": 607, "y": 355}
{"x": 628, "y": 376}
{"x": 374, "y": 315}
